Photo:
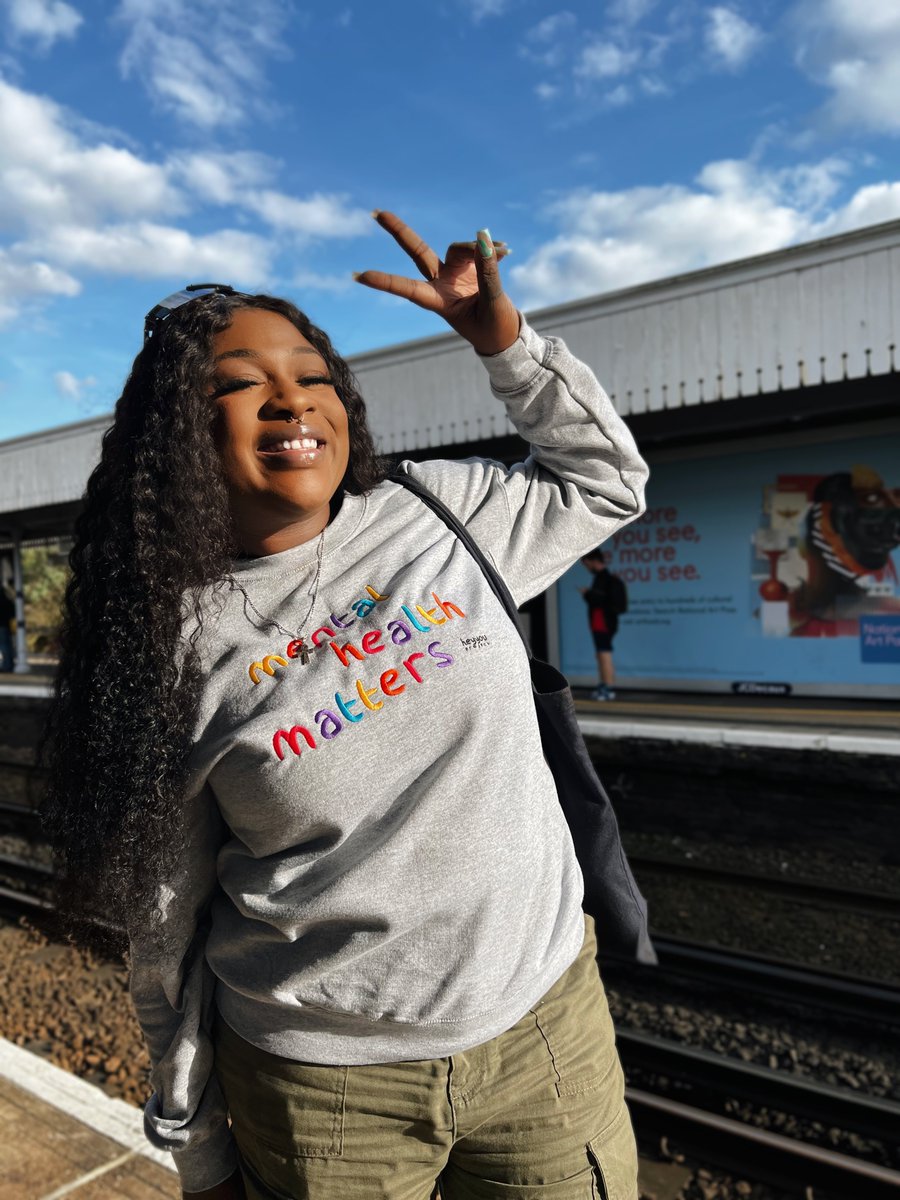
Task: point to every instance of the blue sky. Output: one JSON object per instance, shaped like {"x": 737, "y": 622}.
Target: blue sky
{"x": 147, "y": 144}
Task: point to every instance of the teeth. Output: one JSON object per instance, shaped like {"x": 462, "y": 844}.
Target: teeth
{"x": 296, "y": 444}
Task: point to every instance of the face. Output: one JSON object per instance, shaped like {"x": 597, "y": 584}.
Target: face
{"x": 282, "y": 430}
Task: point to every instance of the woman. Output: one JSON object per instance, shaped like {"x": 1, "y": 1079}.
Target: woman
{"x": 295, "y": 742}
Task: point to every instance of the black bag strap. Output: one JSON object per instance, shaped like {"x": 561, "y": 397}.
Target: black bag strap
{"x": 495, "y": 581}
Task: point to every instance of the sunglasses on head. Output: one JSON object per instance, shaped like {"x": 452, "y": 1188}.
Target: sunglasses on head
{"x": 193, "y": 291}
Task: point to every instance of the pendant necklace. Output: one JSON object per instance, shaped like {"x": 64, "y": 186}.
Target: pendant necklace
{"x": 297, "y": 648}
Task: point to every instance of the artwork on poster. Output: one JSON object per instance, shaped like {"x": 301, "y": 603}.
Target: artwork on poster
{"x": 828, "y": 541}
{"x": 768, "y": 565}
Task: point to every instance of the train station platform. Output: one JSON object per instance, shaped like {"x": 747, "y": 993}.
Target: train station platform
{"x": 799, "y": 724}
{"x": 65, "y": 1137}
{"x": 712, "y": 719}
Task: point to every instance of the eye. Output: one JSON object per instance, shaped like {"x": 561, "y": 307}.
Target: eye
{"x": 222, "y": 387}
{"x": 310, "y": 380}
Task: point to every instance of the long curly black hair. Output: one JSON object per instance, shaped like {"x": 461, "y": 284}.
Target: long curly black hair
{"x": 154, "y": 537}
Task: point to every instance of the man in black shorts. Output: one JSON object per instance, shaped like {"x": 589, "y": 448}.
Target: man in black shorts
{"x": 606, "y": 599}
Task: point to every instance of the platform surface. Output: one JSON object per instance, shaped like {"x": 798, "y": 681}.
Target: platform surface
{"x": 64, "y": 1137}
{"x": 801, "y": 723}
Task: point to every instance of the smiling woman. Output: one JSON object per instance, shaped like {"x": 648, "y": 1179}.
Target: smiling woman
{"x": 360, "y": 962}
{"x": 280, "y": 480}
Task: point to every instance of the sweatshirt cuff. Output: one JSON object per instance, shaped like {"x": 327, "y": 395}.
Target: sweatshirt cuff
{"x": 208, "y": 1162}
{"x": 513, "y": 369}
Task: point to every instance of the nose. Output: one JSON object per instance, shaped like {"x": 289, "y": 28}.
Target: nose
{"x": 291, "y": 403}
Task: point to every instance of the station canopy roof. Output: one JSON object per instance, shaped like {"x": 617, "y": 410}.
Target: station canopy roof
{"x": 820, "y": 313}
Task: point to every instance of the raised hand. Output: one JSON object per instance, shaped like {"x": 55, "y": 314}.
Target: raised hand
{"x": 464, "y": 288}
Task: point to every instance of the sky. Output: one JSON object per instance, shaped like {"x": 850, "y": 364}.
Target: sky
{"x": 144, "y": 145}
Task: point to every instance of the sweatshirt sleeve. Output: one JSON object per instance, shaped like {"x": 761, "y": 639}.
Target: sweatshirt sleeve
{"x": 583, "y": 479}
{"x": 172, "y": 989}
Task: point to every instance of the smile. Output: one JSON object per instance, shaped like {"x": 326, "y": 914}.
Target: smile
{"x": 298, "y": 451}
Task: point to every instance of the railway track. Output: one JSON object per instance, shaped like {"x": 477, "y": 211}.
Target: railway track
{"x": 736, "y": 1146}
{"x": 841, "y": 995}
{"x": 716, "y": 1075}
{"x": 809, "y": 891}
{"x": 759, "y": 1153}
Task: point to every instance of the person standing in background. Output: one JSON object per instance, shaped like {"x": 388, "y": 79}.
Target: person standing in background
{"x": 7, "y": 615}
{"x": 606, "y": 599}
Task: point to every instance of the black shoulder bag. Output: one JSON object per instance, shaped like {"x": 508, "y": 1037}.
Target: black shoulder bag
{"x": 611, "y": 895}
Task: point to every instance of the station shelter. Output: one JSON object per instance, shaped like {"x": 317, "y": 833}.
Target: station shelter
{"x": 763, "y": 393}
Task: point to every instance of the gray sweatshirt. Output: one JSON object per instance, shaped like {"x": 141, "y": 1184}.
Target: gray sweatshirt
{"x": 376, "y": 867}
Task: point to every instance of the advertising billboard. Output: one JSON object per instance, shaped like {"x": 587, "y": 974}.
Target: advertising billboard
{"x": 761, "y": 570}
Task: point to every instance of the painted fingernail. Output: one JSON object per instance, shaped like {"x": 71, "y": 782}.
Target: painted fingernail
{"x": 485, "y": 244}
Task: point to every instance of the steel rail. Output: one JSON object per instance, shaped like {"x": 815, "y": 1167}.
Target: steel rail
{"x": 731, "y": 1078}
{"x": 880, "y": 903}
{"x": 845, "y": 995}
{"x": 760, "y": 1153}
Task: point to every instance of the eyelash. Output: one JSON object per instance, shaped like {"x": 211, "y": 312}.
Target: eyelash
{"x": 240, "y": 385}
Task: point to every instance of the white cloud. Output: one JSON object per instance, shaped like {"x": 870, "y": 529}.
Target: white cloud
{"x": 203, "y": 60}
{"x": 853, "y": 49}
{"x": 605, "y": 60}
{"x": 72, "y": 203}
{"x": 629, "y": 12}
{"x": 45, "y": 21}
{"x": 24, "y": 280}
{"x": 546, "y": 91}
{"x": 619, "y": 96}
{"x": 70, "y": 387}
{"x": 146, "y": 250}
{"x": 318, "y": 215}
{"x": 479, "y": 9}
{"x": 730, "y": 38}
{"x": 240, "y": 179}
{"x": 547, "y": 42}
{"x": 317, "y": 282}
{"x": 223, "y": 178}
{"x": 609, "y": 240}
{"x": 49, "y": 175}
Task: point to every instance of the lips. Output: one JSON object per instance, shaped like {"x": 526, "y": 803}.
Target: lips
{"x": 302, "y": 447}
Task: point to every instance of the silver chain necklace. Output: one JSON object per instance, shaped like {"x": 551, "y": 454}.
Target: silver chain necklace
{"x": 295, "y": 637}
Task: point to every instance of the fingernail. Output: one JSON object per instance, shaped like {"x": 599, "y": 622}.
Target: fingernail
{"x": 485, "y": 244}
{"x": 375, "y": 214}
{"x": 356, "y": 275}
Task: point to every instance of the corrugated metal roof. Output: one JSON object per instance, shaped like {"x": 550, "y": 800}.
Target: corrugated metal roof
{"x": 811, "y": 314}
{"x": 49, "y": 468}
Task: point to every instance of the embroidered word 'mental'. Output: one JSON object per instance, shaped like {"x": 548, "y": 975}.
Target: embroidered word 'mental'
{"x": 297, "y": 647}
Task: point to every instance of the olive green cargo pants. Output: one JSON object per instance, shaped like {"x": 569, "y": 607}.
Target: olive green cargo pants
{"x": 537, "y": 1112}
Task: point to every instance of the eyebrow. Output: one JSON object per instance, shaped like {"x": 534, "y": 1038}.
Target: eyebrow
{"x": 254, "y": 354}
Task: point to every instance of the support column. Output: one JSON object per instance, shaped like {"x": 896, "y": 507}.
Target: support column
{"x": 22, "y": 666}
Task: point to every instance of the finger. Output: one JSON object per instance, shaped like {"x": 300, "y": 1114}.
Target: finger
{"x": 460, "y": 253}
{"x": 487, "y": 268}
{"x": 417, "y": 248}
{"x": 398, "y": 285}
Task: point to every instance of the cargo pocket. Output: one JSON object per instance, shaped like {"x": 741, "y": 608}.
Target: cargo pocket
{"x": 302, "y": 1116}
{"x": 614, "y": 1156}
